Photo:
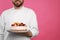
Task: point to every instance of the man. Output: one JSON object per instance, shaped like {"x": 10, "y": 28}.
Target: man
{"x": 18, "y": 13}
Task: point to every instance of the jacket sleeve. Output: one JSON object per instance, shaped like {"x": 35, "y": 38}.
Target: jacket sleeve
{"x": 33, "y": 24}
{"x": 1, "y": 27}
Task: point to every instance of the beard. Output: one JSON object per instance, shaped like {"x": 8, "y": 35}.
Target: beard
{"x": 18, "y": 4}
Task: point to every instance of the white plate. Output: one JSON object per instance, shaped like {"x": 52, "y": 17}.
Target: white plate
{"x": 13, "y": 31}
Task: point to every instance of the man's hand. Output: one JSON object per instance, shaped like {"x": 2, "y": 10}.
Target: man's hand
{"x": 29, "y": 34}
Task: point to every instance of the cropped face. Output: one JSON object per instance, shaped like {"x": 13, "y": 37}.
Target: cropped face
{"x": 17, "y": 3}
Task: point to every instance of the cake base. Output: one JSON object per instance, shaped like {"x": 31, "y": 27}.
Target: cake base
{"x": 19, "y": 28}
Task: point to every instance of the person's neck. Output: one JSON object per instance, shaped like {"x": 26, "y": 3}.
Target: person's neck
{"x": 17, "y": 7}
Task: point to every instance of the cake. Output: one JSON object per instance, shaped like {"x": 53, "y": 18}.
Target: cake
{"x": 19, "y": 26}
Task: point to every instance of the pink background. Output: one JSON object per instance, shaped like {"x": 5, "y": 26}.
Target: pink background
{"x": 48, "y": 17}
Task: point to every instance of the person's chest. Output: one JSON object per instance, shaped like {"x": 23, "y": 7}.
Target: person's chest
{"x": 17, "y": 16}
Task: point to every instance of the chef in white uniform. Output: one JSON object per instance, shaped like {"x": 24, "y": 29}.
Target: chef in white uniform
{"x": 18, "y": 13}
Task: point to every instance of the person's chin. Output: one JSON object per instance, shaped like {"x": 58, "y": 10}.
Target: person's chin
{"x": 17, "y": 6}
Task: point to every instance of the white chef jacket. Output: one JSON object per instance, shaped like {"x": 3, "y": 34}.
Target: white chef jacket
{"x": 23, "y": 14}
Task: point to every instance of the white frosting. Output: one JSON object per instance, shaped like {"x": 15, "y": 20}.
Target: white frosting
{"x": 19, "y": 28}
